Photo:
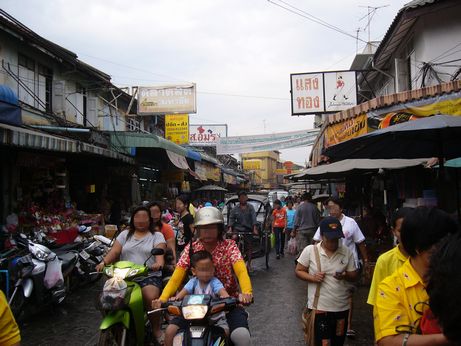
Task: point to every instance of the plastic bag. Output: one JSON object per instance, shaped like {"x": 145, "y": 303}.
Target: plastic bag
{"x": 53, "y": 275}
{"x": 292, "y": 247}
{"x": 272, "y": 240}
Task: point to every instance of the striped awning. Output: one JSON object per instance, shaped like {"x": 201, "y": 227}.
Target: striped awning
{"x": 23, "y": 137}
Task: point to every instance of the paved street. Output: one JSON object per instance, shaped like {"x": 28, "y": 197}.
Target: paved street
{"x": 274, "y": 318}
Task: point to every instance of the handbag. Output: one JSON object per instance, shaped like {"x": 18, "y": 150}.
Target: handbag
{"x": 308, "y": 315}
{"x": 292, "y": 247}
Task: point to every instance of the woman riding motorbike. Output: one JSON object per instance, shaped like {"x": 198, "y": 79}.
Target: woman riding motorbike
{"x": 228, "y": 261}
{"x": 135, "y": 245}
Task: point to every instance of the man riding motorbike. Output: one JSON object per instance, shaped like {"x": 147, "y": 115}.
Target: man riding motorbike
{"x": 228, "y": 261}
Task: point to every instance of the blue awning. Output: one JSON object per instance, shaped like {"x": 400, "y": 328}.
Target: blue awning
{"x": 10, "y": 113}
{"x": 193, "y": 155}
{"x": 8, "y": 95}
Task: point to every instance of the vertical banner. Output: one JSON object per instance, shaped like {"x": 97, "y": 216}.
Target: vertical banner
{"x": 177, "y": 128}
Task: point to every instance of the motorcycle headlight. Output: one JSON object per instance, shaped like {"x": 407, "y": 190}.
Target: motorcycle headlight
{"x": 41, "y": 255}
{"x": 194, "y": 312}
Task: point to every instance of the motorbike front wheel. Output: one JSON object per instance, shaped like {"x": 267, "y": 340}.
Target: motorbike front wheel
{"x": 113, "y": 336}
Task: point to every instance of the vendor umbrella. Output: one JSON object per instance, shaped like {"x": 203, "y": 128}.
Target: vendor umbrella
{"x": 211, "y": 188}
{"x": 436, "y": 136}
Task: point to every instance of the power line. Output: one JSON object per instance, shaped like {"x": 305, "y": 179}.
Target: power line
{"x": 314, "y": 19}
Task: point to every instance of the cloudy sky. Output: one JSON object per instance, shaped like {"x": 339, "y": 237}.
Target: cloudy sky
{"x": 240, "y": 53}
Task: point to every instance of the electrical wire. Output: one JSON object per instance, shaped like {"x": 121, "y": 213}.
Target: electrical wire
{"x": 314, "y": 19}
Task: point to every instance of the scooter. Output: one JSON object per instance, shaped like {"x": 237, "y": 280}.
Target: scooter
{"x": 125, "y": 321}
{"x": 197, "y": 309}
{"x": 88, "y": 258}
{"x": 30, "y": 274}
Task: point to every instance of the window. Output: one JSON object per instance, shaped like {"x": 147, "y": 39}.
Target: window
{"x": 35, "y": 86}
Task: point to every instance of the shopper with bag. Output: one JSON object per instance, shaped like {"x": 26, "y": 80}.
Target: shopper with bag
{"x": 291, "y": 213}
{"x": 326, "y": 267}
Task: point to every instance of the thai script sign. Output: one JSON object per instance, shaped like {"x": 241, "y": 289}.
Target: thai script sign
{"x": 322, "y": 92}
{"x": 345, "y": 130}
{"x": 177, "y": 128}
{"x": 167, "y": 99}
{"x": 206, "y": 135}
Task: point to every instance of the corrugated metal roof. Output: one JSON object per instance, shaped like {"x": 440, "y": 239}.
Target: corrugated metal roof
{"x": 418, "y": 3}
{"x": 399, "y": 18}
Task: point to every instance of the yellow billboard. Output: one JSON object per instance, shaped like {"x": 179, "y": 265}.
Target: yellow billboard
{"x": 177, "y": 128}
{"x": 347, "y": 129}
{"x": 252, "y": 165}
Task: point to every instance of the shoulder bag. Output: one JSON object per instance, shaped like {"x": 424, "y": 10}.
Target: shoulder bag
{"x": 308, "y": 315}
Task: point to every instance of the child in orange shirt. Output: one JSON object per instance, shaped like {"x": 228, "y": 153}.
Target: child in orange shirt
{"x": 279, "y": 225}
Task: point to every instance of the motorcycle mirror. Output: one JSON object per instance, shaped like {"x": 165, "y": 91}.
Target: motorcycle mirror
{"x": 157, "y": 252}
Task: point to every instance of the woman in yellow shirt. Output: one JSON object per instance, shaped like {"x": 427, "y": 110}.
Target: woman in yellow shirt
{"x": 402, "y": 298}
{"x": 391, "y": 260}
{"x": 9, "y": 331}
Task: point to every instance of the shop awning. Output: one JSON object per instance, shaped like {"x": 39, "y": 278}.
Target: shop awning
{"x": 336, "y": 169}
{"x": 149, "y": 140}
{"x": 23, "y": 137}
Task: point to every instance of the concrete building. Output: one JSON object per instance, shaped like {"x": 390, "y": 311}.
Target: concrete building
{"x": 413, "y": 72}
{"x": 263, "y": 164}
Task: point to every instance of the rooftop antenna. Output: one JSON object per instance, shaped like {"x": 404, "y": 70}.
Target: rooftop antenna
{"x": 371, "y": 11}
{"x": 357, "y": 41}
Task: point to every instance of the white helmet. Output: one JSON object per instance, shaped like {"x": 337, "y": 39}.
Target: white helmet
{"x": 208, "y": 216}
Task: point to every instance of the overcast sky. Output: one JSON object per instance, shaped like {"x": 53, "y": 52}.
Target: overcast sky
{"x": 240, "y": 53}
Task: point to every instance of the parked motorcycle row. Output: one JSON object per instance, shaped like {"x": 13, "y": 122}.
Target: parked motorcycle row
{"x": 41, "y": 272}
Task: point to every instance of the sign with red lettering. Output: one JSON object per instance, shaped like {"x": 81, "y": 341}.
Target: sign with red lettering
{"x": 322, "y": 92}
{"x": 307, "y": 93}
{"x": 206, "y": 135}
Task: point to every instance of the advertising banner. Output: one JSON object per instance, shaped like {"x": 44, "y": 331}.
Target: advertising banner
{"x": 200, "y": 170}
{"x": 340, "y": 90}
{"x": 229, "y": 179}
{"x": 345, "y": 130}
{"x": 177, "y": 128}
{"x": 167, "y": 99}
{"x": 178, "y": 160}
{"x": 213, "y": 173}
{"x": 323, "y": 92}
{"x": 252, "y": 165}
{"x": 206, "y": 135}
{"x": 275, "y": 141}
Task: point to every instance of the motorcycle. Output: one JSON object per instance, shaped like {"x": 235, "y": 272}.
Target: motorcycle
{"x": 121, "y": 302}
{"x": 30, "y": 271}
{"x": 88, "y": 258}
{"x": 197, "y": 309}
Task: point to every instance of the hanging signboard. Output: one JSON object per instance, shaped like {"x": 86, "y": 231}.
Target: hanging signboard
{"x": 167, "y": 99}
{"x": 323, "y": 92}
{"x": 340, "y": 90}
{"x": 213, "y": 173}
{"x": 307, "y": 95}
{"x": 177, "y": 128}
{"x": 345, "y": 130}
{"x": 206, "y": 135}
{"x": 200, "y": 170}
{"x": 275, "y": 141}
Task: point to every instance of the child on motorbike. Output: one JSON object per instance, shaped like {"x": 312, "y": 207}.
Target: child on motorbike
{"x": 204, "y": 282}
